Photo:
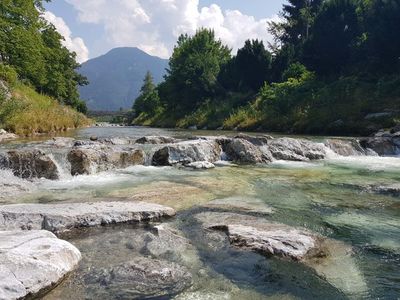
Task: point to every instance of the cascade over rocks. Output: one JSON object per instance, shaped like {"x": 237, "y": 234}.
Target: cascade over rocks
{"x": 141, "y": 278}
{"x": 89, "y": 160}
{"x": 32, "y": 262}
{"x": 347, "y": 147}
{"x": 64, "y": 217}
{"x": 30, "y": 164}
{"x": 187, "y": 152}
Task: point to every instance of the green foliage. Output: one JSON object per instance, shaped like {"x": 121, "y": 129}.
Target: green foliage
{"x": 34, "y": 49}
{"x": 249, "y": 69}
{"x": 148, "y": 102}
{"x": 8, "y": 74}
{"x": 193, "y": 70}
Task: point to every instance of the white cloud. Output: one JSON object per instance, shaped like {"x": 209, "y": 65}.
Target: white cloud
{"x": 154, "y": 25}
{"x": 75, "y": 44}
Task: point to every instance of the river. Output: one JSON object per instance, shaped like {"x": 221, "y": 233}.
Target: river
{"x": 329, "y": 197}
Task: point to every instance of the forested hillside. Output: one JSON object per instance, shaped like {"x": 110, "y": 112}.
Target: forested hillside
{"x": 333, "y": 69}
{"x": 36, "y": 69}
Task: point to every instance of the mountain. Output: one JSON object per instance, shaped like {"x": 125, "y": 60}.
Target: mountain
{"x": 116, "y": 77}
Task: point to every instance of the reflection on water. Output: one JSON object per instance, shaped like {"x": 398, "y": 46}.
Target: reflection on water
{"x": 329, "y": 197}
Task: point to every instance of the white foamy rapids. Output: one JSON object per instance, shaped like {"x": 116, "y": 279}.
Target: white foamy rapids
{"x": 12, "y": 186}
{"x": 82, "y": 181}
{"x": 373, "y": 163}
{"x": 295, "y": 164}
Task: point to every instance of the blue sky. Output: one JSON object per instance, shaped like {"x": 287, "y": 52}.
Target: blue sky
{"x": 93, "y": 27}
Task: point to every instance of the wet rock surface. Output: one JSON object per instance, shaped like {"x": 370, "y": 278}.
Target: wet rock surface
{"x": 187, "y": 152}
{"x": 141, "y": 278}
{"x": 296, "y": 149}
{"x": 89, "y": 160}
{"x": 242, "y": 151}
{"x": 383, "y": 145}
{"x": 30, "y": 164}
{"x": 32, "y": 262}
{"x": 64, "y": 217}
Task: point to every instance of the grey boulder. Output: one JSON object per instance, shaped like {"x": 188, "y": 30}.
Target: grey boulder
{"x": 32, "y": 262}
{"x": 242, "y": 151}
{"x": 89, "y": 160}
{"x": 296, "y": 149}
{"x": 187, "y": 152}
{"x": 30, "y": 164}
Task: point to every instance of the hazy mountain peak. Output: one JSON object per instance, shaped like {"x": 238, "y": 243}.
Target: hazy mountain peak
{"x": 116, "y": 77}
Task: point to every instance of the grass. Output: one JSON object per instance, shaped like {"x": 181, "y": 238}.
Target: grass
{"x": 29, "y": 113}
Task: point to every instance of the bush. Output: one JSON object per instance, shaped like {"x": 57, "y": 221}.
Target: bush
{"x": 8, "y": 74}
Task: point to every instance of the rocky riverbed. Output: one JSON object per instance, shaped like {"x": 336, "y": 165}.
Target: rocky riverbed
{"x": 143, "y": 213}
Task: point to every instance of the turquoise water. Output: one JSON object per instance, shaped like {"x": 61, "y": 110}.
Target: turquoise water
{"x": 329, "y": 197}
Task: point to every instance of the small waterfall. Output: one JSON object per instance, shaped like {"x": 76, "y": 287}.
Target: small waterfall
{"x": 62, "y": 164}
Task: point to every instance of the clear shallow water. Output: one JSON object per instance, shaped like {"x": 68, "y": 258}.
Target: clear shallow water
{"x": 327, "y": 197}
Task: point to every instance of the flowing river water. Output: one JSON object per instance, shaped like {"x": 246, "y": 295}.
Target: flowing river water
{"x": 327, "y": 197}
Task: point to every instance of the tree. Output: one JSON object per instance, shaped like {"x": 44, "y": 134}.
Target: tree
{"x": 34, "y": 49}
{"x": 193, "y": 70}
{"x": 249, "y": 69}
{"x": 331, "y": 48}
{"x": 148, "y": 101}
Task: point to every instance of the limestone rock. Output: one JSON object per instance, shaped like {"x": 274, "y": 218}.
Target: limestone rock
{"x": 32, "y": 262}
{"x": 296, "y": 149}
{"x": 242, "y": 151}
{"x": 89, "y": 160}
{"x": 187, "y": 152}
{"x": 261, "y": 236}
{"x": 67, "y": 216}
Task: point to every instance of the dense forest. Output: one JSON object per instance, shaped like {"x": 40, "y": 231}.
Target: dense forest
{"x": 37, "y": 69}
{"x": 333, "y": 68}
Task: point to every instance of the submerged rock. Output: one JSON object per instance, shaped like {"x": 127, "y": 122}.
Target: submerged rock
{"x": 30, "y": 164}
{"x": 241, "y": 204}
{"x": 331, "y": 259}
{"x": 64, "y": 217}
{"x": 142, "y": 278}
{"x": 296, "y": 149}
{"x": 32, "y": 262}
{"x": 187, "y": 152}
{"x": 243, "y": 151}
{"x": 86, "y": 160}
{"x": 156, "y": 140}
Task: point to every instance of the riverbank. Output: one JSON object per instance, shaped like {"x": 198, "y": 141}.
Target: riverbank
{"x": 25, "y": 112}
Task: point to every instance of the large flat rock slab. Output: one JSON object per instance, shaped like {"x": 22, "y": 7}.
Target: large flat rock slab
{"x": 67, "y": 216}
{"x": 32, "y": 262}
